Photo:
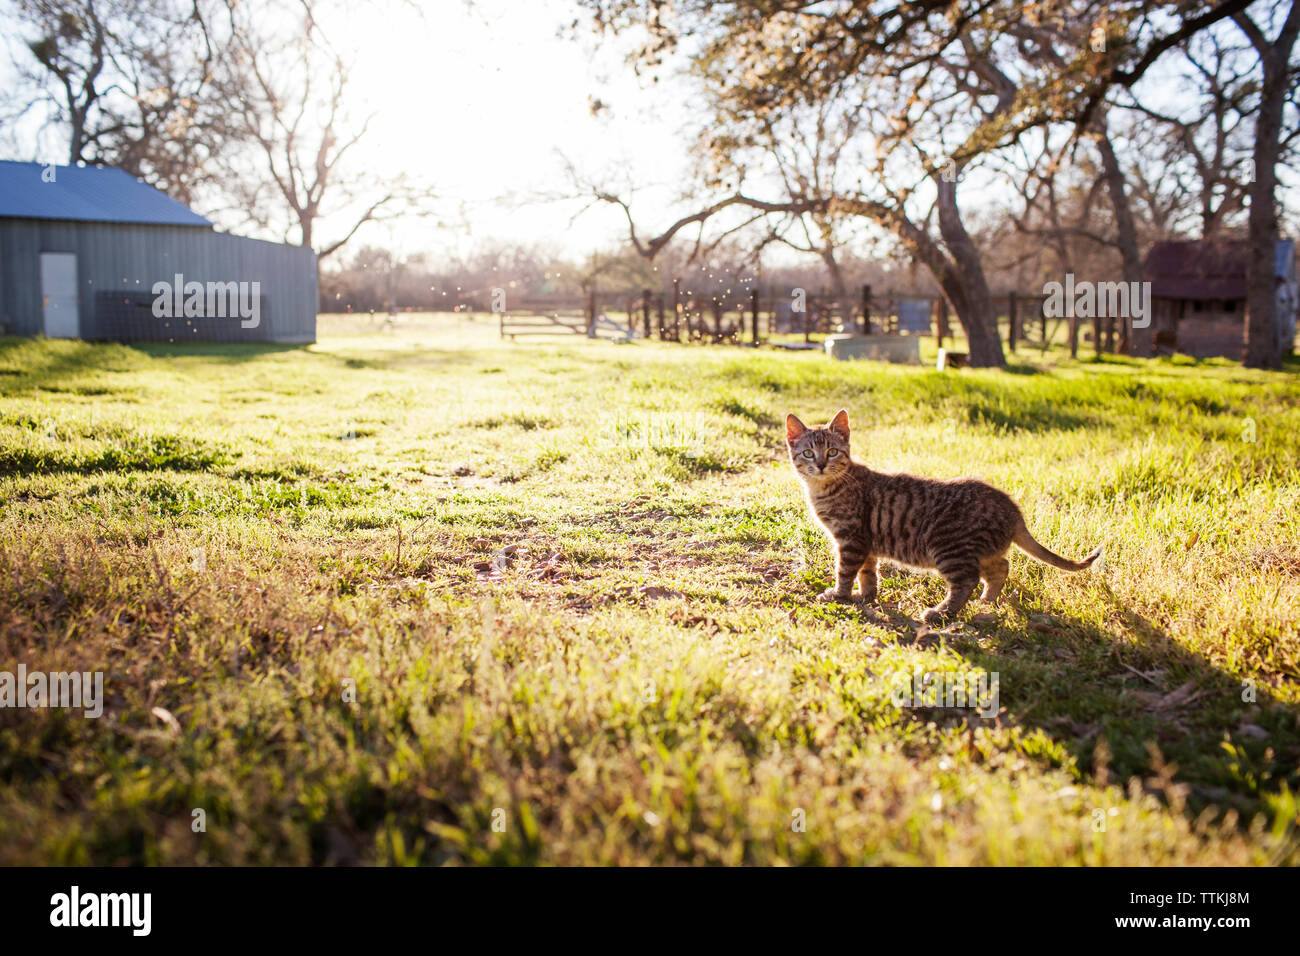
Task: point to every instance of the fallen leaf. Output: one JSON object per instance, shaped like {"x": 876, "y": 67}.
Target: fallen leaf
{"x": 549, "y": 568}
{"x": 1182, "y": 695}
{"x": 1179, "y": 697}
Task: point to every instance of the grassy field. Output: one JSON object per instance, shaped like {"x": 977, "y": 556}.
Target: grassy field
{"x": 418, "y": 597}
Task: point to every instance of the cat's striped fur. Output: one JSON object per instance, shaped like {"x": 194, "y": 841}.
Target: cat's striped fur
{"x": 962, "y": 528}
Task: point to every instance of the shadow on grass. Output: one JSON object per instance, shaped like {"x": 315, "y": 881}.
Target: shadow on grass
{"x": 228, "y": 352}
{"x": 1031, "y": 417}
{"x": 73, "y": 358}
{"x": 1230, "y": 743}
{"x": 57, "y": 369}
{"x": 1013, "y": 368}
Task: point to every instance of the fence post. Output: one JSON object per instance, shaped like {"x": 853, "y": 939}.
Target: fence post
{"x": 753, "y": 309}
{"x": 941, "y": 329}
{"x": 591, "y": 311}
{"x": 866, "y": 310}
{"x": 1011, "y": 320}
{"x": 645, "y": 310}
{"x": 659, "y": 303}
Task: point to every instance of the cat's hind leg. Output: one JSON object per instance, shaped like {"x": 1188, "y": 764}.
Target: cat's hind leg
{"x": 962, "y": 575}
{"x": 994, "y": 571}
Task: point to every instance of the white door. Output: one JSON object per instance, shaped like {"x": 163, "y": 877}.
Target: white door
{"x": 59, "y": 294}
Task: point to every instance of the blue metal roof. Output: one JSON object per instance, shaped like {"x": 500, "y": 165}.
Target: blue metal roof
{"x": 86, "y": 194}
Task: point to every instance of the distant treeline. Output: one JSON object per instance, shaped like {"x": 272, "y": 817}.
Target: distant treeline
{"x": 378, "y": 280}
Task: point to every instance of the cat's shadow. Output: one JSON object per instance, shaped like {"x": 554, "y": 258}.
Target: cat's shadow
{"x": 910, "y": 630}
{"x": 1224, "y": 741}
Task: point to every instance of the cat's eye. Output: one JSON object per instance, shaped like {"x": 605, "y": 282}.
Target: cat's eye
{"x": 808, "y": 454}
{"x": 832, "y": 452}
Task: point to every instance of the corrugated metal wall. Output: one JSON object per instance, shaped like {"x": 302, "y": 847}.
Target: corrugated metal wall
{"x": 131, "y": 258}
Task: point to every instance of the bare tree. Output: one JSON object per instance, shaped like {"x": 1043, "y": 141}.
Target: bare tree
{"x": 922, "y": 80}
{"x": 130, "y": 83}
{"x": 1146, "y": 32}
{"x": 72, "y": 48}
{"x": 294, "y": 112}
{"x": 809, "y": 151}
{"x": 1204, "y": 148}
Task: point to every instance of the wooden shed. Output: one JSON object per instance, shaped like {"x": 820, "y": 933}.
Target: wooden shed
{"x": 1198, "y": 292}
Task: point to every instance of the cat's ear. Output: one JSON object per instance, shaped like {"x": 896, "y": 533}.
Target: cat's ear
{"x": 794, "y": 429}
{"x": 840, "y": 424}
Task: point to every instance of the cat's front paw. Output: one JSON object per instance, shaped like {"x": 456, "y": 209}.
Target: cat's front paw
{"x": 935, "y": 617}
{"x": 832, "y": 596}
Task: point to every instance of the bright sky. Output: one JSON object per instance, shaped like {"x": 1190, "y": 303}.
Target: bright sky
{"x": 482, "y": 100}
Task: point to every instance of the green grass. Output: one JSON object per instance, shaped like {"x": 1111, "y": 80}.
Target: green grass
{"x": 421, "y": 597}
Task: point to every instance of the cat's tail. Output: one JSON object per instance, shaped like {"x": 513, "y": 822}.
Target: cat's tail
{"x": 1026, "y": 543}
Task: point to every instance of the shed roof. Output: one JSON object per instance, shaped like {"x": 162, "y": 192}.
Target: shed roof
{"x": 1197, "y": 269}
{"x": 87, "y": 194}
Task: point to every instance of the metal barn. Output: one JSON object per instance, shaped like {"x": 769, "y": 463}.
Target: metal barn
{"x": 93, "y": 253}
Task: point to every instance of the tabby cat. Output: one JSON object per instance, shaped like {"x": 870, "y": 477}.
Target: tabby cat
{"x": 963, "y": 528}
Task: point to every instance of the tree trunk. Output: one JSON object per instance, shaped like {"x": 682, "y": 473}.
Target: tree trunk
{"x": 1133, "y": 341}
{"x": 76, "y": 138}
{"x": 976, "y": 317}
{"x": 1262, "y": 348}
{"x": 965, "y": 284}
{"x": 1261, "y": 335}
{"x": 838, "y": 287}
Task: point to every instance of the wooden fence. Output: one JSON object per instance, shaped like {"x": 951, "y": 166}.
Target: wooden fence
{"x": 757, "y": 316}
